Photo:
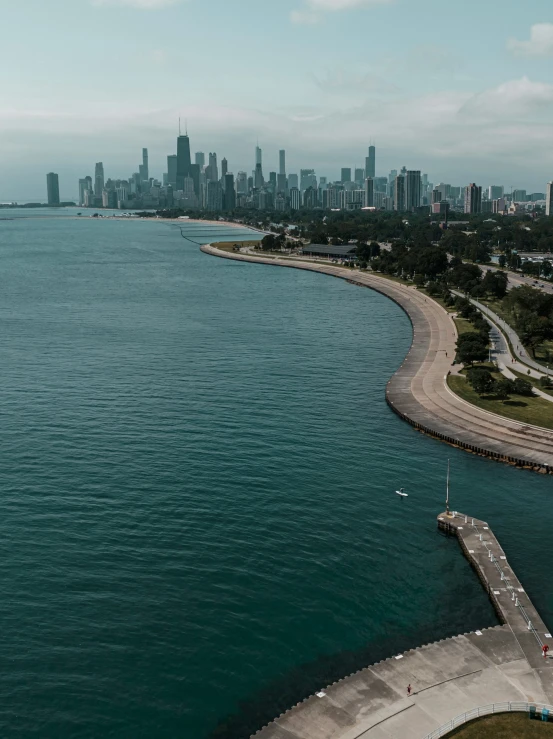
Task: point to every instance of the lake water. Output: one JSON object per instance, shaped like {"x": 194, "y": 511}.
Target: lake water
{"x": 199, "y": 525}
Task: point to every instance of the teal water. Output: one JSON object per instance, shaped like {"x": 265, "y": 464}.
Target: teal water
{"x": 198, "y": 521}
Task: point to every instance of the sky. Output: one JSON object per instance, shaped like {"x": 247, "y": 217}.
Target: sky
{"x": 461, "y": 90}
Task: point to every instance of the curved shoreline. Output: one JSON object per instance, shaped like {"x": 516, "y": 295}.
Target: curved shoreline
{"x": 418, "y": 391}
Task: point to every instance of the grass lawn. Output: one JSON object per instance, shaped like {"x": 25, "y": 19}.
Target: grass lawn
{"x": 229, "y": 245}
{"x": 504, "y": 726}
{"x": 535, "y": 411}
{"x": 464, "y": 326}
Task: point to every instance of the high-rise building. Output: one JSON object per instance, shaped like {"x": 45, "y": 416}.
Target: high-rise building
{"x": 84, "y": 185}
{"x": 473, "y": 199}
{"x": 242, "y": 183}
{"x": 370, "y": 163}
{"x": 230, "y": 192}
{"x": 282, "y": 162}
{"x": 295, "y": 198}
{"x": 495, "y": 192}
{"x": 369, "y": 192}
{"x": 98, "y": 179}
{"x": 172, "y": 170}
{"x": 307, "y": 179}
{"x": 293, "y": 181}
{"x": 412, "y": 189}
{"x": 53, "y": 188}
{"x": 212, "y": 170}
{"x": 145, "y": 164}
{"x": 258, "y": 181}
{"x": 282, "y": 185}
{"x": 183, "y": 160}
{"x": 258, "y": 156}
{"x": 399, "y": 193}
{"x": 214, "y": 195}
{"x": 224, "y": 168}
{"x": 549, "y": 199}
{"x": 346, "y": 174}
{"x": 519, "y": 196}
{"x": 359, "y": 177}
{"x": 199, "y": 159}
{"x": 195, "y": 177}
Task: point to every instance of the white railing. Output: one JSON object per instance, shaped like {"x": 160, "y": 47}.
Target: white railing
{"x": 506, "y": 707}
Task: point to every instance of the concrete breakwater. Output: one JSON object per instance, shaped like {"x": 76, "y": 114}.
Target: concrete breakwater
{"x": 418, "y": 392}
{"x": 448, "y": 678}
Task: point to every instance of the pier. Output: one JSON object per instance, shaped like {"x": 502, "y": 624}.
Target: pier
{"x": 493, "y": 670}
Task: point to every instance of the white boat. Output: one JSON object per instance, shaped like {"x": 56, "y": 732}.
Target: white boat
{"x": 401, "y": 493}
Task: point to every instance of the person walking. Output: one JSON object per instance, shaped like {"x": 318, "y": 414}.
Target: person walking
{"x": 409, "y": 689}
{"x": 545, "y": 650}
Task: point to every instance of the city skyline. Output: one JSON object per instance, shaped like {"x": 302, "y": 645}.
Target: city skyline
{"x": 425, "y": 101}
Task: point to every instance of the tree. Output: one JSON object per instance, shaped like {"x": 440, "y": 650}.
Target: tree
{"x": 471, "y": 347}
{"x": 503, "y": 388}
{"x": 481, "y": 380}
{"x": 522, "y": 387}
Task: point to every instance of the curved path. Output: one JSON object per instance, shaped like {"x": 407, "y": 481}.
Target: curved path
{"x": 418, "y": 392}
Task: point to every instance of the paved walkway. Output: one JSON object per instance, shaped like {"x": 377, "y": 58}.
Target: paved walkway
{"x": 519, "y": 351}
{"x": 418, "y": 391}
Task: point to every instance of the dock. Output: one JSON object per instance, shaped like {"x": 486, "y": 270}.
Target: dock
{"x": 493, "y": 670}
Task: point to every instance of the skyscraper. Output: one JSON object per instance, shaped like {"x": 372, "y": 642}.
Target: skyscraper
{"x": 199, "y": 158}
{"x": 295, "y": 198}
{"x": 53, "y": 188}
{"x": 212, "y": 169}
{"x": 145, "y": 164}
{"x": 412, "y": 189}
{"x": 369, "y": 192}
{"x": 473, "y": 199}
{"x": 282, "y": 162}
{"x": 98, "y": 179}
{"x": 224, "y": 168}
{"x": 230, "y": 192}
{"x": 346, "y": 174}
{"x": 258, "y": 172}
{"x": 242, "y": 183}
{"x": 370, "y": 163}
{"x": 359, "y": 177}
{"x": 84, "y": 185}
{"x": 549, "y": 199}
{"x": 258, "y": 176}
{"x": 183, "y": 160}
{"x": 292, "y": 181}
{"x": 172, "y": 170}
{"x": 495, "y": 192}
{"x": 399, "y": 193}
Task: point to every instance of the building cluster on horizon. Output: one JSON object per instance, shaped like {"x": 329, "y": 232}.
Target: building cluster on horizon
{"x": 209, "y": 185}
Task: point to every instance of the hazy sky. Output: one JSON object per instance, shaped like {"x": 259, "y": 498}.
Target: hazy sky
{"x": 462, "y": 90}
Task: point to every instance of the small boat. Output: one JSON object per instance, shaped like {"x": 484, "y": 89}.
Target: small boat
{"x": 401, "y": 493}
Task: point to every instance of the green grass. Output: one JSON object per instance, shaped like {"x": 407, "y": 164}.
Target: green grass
{"x": 464, "y": 326}
{"x": 504, "y": 726}
{"x": 535, "y": 410}
{"x": 229, "y": 245}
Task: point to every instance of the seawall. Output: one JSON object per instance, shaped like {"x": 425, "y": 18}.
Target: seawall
{"x": 418, "y": 392}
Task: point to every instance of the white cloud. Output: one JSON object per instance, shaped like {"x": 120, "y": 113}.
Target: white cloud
{"x": 312, "y": 11}
{"x": 539, "y": 44}
{"x": 332, "y": 5}
{"x": 514, "y": 99}
{"x": 143, "y": 4}
{"x": 304, "y": 16}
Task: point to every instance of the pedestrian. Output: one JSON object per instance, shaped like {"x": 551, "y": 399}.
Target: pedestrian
{"x": 545, "y": 650}
{"x": 409, "y": 689}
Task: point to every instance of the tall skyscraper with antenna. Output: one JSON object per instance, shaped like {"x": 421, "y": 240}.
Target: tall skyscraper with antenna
{"x": 183, "y": 158}
{"x": 370, "y": 163}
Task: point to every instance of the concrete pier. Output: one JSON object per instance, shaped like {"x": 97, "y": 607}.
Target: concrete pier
{"x": 449, "y": 677}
